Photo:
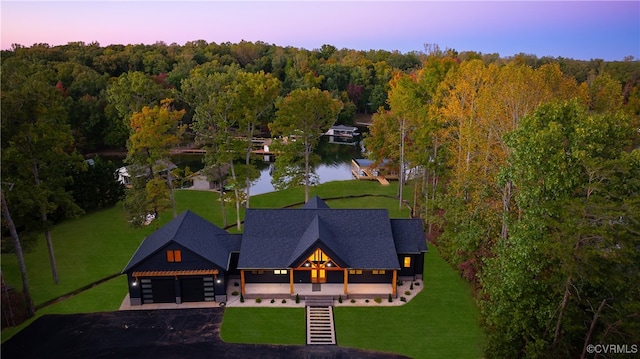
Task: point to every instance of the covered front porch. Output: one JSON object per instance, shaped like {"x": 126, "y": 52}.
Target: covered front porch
{"x": 335, "y": 290}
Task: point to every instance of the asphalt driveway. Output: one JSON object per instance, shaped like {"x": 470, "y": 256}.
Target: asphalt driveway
{"x": 170, "y": 333}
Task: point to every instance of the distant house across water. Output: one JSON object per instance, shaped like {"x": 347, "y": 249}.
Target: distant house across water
{"x": 342, "y": 131}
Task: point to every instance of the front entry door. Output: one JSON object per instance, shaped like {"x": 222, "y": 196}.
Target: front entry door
{"x": 318, "y": 276}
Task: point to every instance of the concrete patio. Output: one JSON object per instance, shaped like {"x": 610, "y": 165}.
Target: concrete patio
{"x": 282, "y": 290}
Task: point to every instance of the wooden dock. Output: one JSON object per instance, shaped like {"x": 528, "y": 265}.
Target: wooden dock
{"x": 364, "y": 169}
{"x": 383, "y": 181}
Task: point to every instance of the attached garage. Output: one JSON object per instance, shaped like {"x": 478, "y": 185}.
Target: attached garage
{"x": 184, "y": 261}
{"x": 192, "y": 289}
{"x": 158, "y": 290}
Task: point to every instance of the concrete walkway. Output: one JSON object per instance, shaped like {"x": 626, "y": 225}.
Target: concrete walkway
{"x": 320, "y": 328}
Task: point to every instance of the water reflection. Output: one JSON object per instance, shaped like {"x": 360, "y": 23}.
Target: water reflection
{"x": 335, "y": 163}
{"x": 325, "y": 172}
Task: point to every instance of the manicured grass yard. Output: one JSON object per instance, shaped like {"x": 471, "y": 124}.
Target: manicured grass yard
{"x": 264, "y": 325}
{"x": 440, "y": 322}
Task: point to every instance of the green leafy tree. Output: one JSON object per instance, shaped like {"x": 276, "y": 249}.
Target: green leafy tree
{"x": 257, "y": 93}
{"x": 153, "y": 132}
{"x": 97, "y": 186}
{"x": 38, "y": 153}
{"x": 567, "y": 274}
{"x": 215, "y": 99}
{"x": 129, "y": 93}
{"x": 302, "y": 117}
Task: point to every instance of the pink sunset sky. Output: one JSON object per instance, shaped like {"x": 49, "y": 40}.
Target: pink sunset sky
{"x": 608, "y": 30}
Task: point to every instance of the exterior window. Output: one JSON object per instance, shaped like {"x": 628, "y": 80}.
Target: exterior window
{"x": 355, "y": 271}
{"x": 376, "y": 271}
{"x": 174, "y": 256}
{"x": 407, "y": 262}
{"x": 280, "y": 271}
{"x": 258, "y": 271}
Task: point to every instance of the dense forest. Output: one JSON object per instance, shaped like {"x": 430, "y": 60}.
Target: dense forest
{"x": 525, "y": 170}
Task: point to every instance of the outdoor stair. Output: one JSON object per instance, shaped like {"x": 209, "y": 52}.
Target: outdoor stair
{"x": 383, "y": 181}
{"x": 320, "y": 328}
{"x": 318, "y": 301}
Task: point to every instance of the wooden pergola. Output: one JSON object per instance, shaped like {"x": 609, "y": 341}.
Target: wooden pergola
{"x": 174, "y": 273}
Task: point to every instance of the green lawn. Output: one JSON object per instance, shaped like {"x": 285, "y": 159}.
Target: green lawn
{"x": 264, "y": 325}
{"x": 440, "y": 321}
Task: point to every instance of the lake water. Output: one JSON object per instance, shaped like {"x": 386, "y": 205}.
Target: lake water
{"x": 335, "y": 164}
{"x": 325, "y": 172}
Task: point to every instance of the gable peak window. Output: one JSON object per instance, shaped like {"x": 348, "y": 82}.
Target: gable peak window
{"x": 319, "y": 259}
{"x": 174, "y": 256}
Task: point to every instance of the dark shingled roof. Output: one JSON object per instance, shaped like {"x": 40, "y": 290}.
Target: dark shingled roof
{"x": 317, "y": 233}
{"x": 315, "y": 203}
{"x": 409, "y": 235}
{"x": 361, "y": 238}
{"x": 192, "y": 232}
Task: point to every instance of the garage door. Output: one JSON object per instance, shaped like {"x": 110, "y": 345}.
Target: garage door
{"x": 197, "y": 289}
{"x": 158, "y": 290}
{"x": 192, "y": 289}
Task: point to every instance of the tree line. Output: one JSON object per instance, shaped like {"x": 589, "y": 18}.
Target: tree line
{"x": 451, "y": 119}
{"x": 531, "y": 178}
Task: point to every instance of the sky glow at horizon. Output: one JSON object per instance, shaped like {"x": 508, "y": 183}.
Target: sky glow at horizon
{"x": 606, "y": 30}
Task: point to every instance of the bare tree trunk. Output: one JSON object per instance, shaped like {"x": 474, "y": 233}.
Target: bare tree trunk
{"x": 248, "y": 162}
{"x": 593, "y": 324}
{"x": 401, "y": 174}
{"x": 415, "y": 198}
{"x": 171, "y": 195}
{"x": 433, "y": 160}
{"x": 563, "y": 306}
{"x": 307, "y": 150}
{"x": 47, "y": 233}
{"x": 52, "y": 257}
{"x": 235, "y": 189}
{"x": 21, "y": 263}
{"x": 506, "y": 207}
{"x": 425, "y": 190}
{"x": 223, "y": 207}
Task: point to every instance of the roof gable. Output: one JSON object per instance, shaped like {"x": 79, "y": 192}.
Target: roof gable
{"x": 316, "y": 233}
{"x": 192, "y": 232}
{"x": 408, "y": 235}
{"x": 315, "y": 203}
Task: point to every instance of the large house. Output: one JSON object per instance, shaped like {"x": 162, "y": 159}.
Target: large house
{"x": 283, "y": 252}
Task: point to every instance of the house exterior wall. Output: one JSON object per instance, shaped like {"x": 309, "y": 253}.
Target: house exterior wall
{"x": 201, "y": 183}
{"x": 304, "y": 276}
{"x": 416, "y": 265}
{"x": 335, "y": 276}
{"x": 419, "y": 267}
{"x": 233, "y": 263}
{"x": 367, "y": 276}
{"x": 189, "y": 261}
{"x": 301, "y": 277}
{"x": 267, "y": 276}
